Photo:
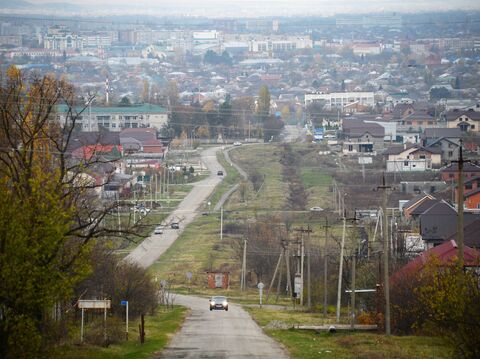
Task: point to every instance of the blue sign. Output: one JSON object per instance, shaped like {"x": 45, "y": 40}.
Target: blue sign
{"x": 124, "y": 302}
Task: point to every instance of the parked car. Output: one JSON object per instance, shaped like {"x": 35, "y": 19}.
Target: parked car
{"x": 316, "y": 209}
{"x": 237, "y": 143}
{"x": 220, "y": 173}
{"x": 141, "y": 209}
{"x": 158, "y": 230}
{"x": 219, "y": 303}
{"x": 174, "y": 225}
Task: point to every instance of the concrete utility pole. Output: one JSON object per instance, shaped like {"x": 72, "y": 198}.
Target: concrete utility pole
{"x": 325, "y": 270}
{"x": 302, "y": 259}
{"x": 354, "y": 268}
{"x": 340, "y": 270}
{"x": 221, "y": 223}
{"x": 386, "y": 284}
{"x": 244, "y": 266}
{"x": 460, "y": 204}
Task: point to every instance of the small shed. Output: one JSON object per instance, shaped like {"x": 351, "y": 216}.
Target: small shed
{"x": 218, "y": 280}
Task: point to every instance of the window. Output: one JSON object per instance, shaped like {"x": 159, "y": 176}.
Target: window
{"x": 350, "y": 148}
{"x": 422, "y": 157}
{"x": 468, "y": 185}
{"x": 472, "y": 127}
{"x": 405, "y": 163}
{"x": 450, "y": 153}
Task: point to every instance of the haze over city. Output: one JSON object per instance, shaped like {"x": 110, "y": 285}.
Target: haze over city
{"x": 235, "y": 8}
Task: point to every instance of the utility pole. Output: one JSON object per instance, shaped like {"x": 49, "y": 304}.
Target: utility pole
{"x": 244, "y": 266}
{"x": 289, "y": 278}
{"x": 302, "y": 259}
{"x": 221, "y": 223}
{"x": 460, "y": 204}
{"x": 340, "y": 270}
{"x": 275, "y": 273}
{"x": 354, "y": 269}
{"x": 386, "y": 284}
{"x": 325, "y": 270}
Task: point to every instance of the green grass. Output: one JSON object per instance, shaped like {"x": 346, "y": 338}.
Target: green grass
{"x": 307, "y": 344}
{"x": 197, "y": 250}
{"x": 310, "y": 344}
{"x": 158, "y": 331}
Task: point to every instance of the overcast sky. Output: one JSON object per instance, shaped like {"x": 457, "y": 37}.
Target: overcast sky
{"x": 270, "y": 7}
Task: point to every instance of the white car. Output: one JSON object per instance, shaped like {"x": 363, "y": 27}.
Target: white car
{"x": 237, "y": 143}
{"x": 316, "y": 209}
{"x": 158, "y": 230}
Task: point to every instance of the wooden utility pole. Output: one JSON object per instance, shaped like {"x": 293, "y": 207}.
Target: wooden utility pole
{"x": 386, "y": 284}
{"x": 275, "y": 274}
{"x": 325, "y": 270}
{"x": 340, "y": 270}
{"x": 460, "y": 204}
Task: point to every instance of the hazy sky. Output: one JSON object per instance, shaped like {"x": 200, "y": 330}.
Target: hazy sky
{"x": 267, "y": 7}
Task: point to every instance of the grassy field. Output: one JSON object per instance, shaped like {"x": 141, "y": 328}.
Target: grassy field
{"x": 158, "y": 331}
{"x": 310, "y": 344}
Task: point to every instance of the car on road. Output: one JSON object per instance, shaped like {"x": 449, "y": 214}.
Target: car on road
{"x": 218, "y": 303}
{"x": 174, "y": 225}
{"x": 158, "y": 230}
{"x": 316, "y": 209}
{"x": 237, "y": 143}
{"x": 220, "y": 173}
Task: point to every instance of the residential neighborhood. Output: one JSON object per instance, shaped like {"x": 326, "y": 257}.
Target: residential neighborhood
{"x": 302, "y": 183}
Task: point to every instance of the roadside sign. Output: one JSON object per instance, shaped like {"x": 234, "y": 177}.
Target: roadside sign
{"x": 94, "y": 304}
{"x": 124, "y": 302}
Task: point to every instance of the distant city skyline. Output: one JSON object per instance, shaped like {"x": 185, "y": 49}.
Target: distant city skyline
{"x": 253, "y": 8}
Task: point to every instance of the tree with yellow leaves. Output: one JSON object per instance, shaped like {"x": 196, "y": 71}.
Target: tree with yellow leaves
{"x": 49, "y": 215}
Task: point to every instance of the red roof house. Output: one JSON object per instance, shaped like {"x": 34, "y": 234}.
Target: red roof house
{"x": 445, "y": 253}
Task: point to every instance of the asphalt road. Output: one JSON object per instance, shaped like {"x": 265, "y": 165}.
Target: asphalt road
{"x": 219, "y": 334}
{"x": 154, "y": 246}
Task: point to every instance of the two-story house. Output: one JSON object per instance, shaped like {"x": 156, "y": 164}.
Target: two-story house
{"x": 466, "y": 121}
{"x": 362, "y": 137}
{"x": 412, "y": 158}
{"x": 445, "y": 139}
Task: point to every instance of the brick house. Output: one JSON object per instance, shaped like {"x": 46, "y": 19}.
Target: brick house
{"x": 450, "y": 173}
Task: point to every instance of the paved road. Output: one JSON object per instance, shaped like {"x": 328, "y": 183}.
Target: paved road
{"x": 227, "y": 194}
{"x": 220, "y": 334}
{"x": 154, "y": 246}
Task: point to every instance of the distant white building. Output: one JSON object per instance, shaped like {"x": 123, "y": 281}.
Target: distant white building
{"x": 118, "y": 118}
{"x": 338, "y": 100}
{"x": 279, "y": 44}
{"x": 60, "y": 38}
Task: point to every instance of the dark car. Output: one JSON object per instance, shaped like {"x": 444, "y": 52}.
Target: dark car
{"x": 220, "y": 173}
{"x": 219, "y": 303}
{"x": 174, "y": 225}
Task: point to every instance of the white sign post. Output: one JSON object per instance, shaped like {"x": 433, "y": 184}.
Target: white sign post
{"x": 260, "y": 287}
{"x": 94, "y": 304}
